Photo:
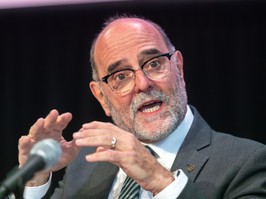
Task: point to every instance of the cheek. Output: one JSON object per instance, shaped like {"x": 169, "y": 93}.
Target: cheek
{"x": 167, "y": 85}
{"x": 120, "y": 103}
{"x": 174, "y": 78}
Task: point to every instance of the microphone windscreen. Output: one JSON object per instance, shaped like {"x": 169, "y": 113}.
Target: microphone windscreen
{"x": 49, "y": 150}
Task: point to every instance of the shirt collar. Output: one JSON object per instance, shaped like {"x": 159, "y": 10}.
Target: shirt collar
{"x": 168, "y": 148}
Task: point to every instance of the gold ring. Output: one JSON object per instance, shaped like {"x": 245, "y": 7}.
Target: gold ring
{"x": 113, "y": 143}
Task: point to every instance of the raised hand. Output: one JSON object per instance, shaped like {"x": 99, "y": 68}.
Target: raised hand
{"x": 51, "y": 126}
{"x": 128, "y": 153}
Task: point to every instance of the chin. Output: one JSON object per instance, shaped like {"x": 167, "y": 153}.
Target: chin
{"x": 156, "y": 130}
{"x": 152, "y": 135}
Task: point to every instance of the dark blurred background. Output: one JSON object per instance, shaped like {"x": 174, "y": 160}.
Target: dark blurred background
{"x": 44, "y": 63}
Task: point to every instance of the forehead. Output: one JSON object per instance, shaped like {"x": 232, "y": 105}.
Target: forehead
{"x": 125, "y": 40}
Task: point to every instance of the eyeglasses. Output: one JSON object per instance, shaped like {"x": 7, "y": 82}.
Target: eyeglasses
{"x": 123, "y": 81}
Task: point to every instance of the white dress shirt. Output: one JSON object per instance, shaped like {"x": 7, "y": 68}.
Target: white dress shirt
{"x": 166, "y": 150}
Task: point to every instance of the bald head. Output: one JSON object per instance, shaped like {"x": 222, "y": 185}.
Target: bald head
{"x": 118, "y": 33}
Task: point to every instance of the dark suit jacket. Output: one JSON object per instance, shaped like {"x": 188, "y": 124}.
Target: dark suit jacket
{"x": 217, "y": 165}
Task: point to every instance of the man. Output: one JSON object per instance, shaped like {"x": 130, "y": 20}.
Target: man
{"x": 138, "y": 80}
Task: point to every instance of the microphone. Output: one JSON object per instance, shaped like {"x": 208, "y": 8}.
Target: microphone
{"x": 43, "y": 155}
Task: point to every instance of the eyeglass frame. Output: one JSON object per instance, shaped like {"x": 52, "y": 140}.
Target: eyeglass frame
{"x": 105, "y": 78}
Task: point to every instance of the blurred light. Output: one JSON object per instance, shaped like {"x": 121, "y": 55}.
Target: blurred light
{"x": 38, "y": 3}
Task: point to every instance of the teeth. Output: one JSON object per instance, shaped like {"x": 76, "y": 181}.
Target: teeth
{"x": 152, "y": 109}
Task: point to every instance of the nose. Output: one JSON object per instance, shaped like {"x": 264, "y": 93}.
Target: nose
{"x": 142, "y": 82}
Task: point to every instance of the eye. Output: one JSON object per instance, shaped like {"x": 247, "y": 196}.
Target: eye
{"x": 154, "y": 64}
{"x": 121, "y": 75}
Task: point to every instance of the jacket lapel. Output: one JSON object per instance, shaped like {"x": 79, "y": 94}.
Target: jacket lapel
{"x": 189, "y": 157}
{"x": 191, "y": 163}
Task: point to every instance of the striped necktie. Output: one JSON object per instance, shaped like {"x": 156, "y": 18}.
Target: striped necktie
{"x": 131, "y": 189}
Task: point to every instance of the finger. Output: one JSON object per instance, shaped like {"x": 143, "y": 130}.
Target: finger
{"x": 103, "y": 128}
{"x": 98, "y": 125}
{"x": 37, "y": 129}
{"x": 24, "y": 146}
{"x": 50, "y": 120}
{"x": 105, "y": 156}
{"x": 100, "y": 149}
{"x": 94, "y": 141}
{"x": 24, "y": 142}
{"x": 100, "y": 130}
{"x": 62, "y": 121}
{"x": 85, "y": 133}
{"x": 105, "y": 138}
{"x": 97, "y": 137}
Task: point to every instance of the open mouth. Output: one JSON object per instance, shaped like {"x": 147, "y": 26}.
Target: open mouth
{"x": 150, "y": 107}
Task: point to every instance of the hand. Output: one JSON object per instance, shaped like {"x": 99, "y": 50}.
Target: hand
{"x": 50, "y": 127}
{"x": 129, "y": 154}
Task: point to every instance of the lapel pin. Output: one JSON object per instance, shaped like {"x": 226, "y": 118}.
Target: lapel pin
{"x": 190, "y": 167}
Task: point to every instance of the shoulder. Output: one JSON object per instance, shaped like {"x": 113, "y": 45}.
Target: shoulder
{"x": 231, "y": 154}
{"x": 234, "y": 145}
{"x": 203, "y": 136}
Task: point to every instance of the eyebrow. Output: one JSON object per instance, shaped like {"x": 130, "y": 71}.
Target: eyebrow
{"x": 152, "y": 51}
{"x": 142, "y": 56}
{"x": 113, "y": 66}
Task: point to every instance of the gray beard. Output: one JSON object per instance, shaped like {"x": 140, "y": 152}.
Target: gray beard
{"x": 176, "y": 104}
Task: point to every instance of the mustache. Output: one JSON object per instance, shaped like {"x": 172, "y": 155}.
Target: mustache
{"x": 147, "y": 96}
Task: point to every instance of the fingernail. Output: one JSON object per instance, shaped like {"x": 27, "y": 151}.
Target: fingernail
{"x": 76, "y": 134}
{"x": 86, "y": 125}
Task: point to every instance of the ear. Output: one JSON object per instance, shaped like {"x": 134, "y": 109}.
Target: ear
{"x": 179, "y": 61}
{"x": 98, "y": 94}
